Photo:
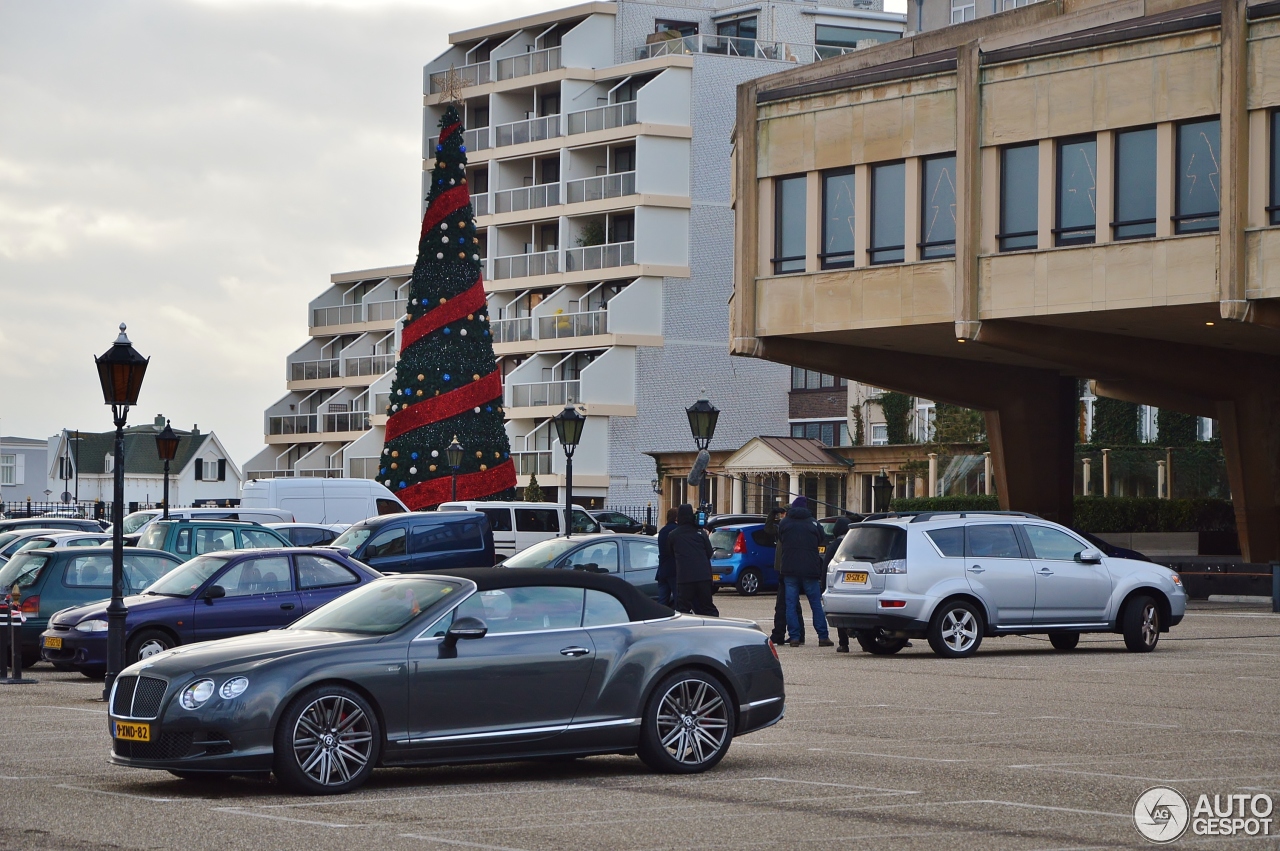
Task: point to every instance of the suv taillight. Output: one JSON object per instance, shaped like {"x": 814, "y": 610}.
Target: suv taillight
{"x": 31, "y": 605}
{"x": 896, "y": 565}
{"x": 740, "y": 544}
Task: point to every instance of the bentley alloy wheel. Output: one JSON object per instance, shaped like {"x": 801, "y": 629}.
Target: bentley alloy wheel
{"x": 688, "y": 724}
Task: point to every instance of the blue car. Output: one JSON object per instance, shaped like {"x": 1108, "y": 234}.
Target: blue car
{"x": 743, "y": 558}
{"x": 217, "y": 595}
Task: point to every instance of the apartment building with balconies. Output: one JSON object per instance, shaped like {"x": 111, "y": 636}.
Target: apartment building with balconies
{"x": 598, "y": 139}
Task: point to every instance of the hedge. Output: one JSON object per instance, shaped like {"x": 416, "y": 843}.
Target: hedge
{"x": 1107, "y": 513}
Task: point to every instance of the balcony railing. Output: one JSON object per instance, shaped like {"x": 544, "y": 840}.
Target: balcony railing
{"x": 321, "y": 473}
{"x": 532, "y": 463}
{"x": 293, "y": 424}
{"x": 344, "y": 314}
{"x": 363, "y": 468}
{"x": 526, "y": 265}
{"x": 476, "y": 74}
{"x": 599, "y": 188}
{"x": 512, "y": 330}
{"x": 309, "y": 370}
{"x": 600, "y": 256}
{"x": 573, "y": 325}
{"x": 480, "y": 204}
{"x": 350, "y": 421}
{"x": 533, "y": 62}
{"x": 544, "y": 393}
{"x": 385, "y": 311}
{"x": 526, "y": 198}
{"x": 370, "y": 365}
{"x": 268, "y": 474}
{"x": 751, "y": 48}
{"x": 602, "y": 117}
{"x": 529, "y": 130}
{"x": 475, "y": 140}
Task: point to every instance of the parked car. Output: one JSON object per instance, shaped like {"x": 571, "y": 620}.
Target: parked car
{"x": 54, "y": 579}
{"x": 956, "y": 578}
{"x": 11, "y": 542}
{"x": 502, "y": 664}
{"x": 715, "y": 521}
{"x": 137, "y": 522}
{"x": 70, "y": 524}
{"x": 616, "y": 521}
{"x": 310, "y": 534}
{"x": 211, "y": 596}
{"x": 631, "y": 557}
{"x": 518, "y": 525}
{"x": 420, "y": 541}
{"x": 67, "y": 511}
{"x": 190, "y": 538}
{"x": 320, "y": 500}
{"x": 743, "y": 558}
{"x": 64, "y": 539}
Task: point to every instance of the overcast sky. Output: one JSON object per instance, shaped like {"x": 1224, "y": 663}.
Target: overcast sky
{"x": 198, "y": 169}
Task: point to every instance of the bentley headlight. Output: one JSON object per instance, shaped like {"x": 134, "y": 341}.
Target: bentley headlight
{"x": 234, "y": 687}
{"x": 195, "y": 695}
{"x": 94, "y": 625}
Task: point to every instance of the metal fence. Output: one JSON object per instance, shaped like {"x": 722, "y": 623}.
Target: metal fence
{"x": 95, "y": 510}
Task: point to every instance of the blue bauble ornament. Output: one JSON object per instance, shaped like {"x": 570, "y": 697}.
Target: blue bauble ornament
{"x": 462, "y": 240}
{"x": 403, "y": 485}
{"x": 462, "y": 148}
{"x": 488, "y": 409}
{"x": 446, "y": 376}
{"x": 439, "y": 147}
{"x": 413, "y": 455}
{"x": 446, "y": 330}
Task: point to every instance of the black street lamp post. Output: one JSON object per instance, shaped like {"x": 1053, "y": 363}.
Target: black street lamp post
{"x": 703, "y": 417}
{"x": 453, "y": 455}
{"x": 569, "y": 425}
{"x": 166, "y": 448}
{"x": 882, "y": 491}
{"x": 120, "y": 370}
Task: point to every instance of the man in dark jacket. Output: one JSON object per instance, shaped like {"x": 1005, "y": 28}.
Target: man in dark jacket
{"x": 838, "y": 530}
{"x": 666, "y": 575}
{"x": 779, "y": 634}
{"x": 799, "y": 538}
{"x": 691, "y": 549}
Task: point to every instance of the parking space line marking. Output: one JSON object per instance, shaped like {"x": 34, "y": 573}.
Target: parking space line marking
{"x": 1103, "y": 721}
{"x": 838, "y": 785}
{"x": 119, "y": 794}
{"x": 1143, "y": 777}
{"x": 464, "y": 843}
{"x": 990, "y": 801}
{"x": 889, "y": 755}
{"x": 241, "y": 811}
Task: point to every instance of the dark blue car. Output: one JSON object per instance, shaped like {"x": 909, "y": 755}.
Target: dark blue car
{"x": 743, "y": 558}
{"x": 218, "y": 595}
{"x": 420, "y": 541}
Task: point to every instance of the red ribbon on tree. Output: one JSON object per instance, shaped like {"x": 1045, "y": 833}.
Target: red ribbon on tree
{"x": 451, "y": 311}
{"x": 446, "y": 204}
{"x": 470, "y": 485}
{"x": 446, "y": 405}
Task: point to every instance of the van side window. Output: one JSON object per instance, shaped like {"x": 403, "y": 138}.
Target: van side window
{"x": 257, "y": 539}
{"x": 537, "y": 520}
{"x": 183, "y": 546}
{"x": 388, "y": 506}
{"x": 390, "y": 542}
{"x": 499, "y": 518}
{"x": 950, "y": 541}
{"x": 445, "y": 538}
{"x": 214, "y": 540}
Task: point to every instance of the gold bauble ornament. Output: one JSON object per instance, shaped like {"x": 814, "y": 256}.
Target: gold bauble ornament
{"x": 483, "y": 467}
{"x": 395, "y": 454}
{"x": 479, "y": 454}
{"x": 432, "y": 468}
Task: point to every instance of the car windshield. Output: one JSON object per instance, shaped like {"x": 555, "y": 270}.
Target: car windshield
{"x": 7, "y": 538}
{"x": 186, "y": 580}
{"x": 873, "y": 543}
{"x": 36, "y": 544}
{"x": 543, "y": 553}
{"x": 23, "y": 569}
{"x": 153, "y": 537}
{"x": 379, "y": 608}
{"x": 135, "y": 521}
{"x": 353, "y": 537}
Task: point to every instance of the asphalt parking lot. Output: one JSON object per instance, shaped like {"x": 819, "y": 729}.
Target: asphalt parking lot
{"x": 1019, "y": 747}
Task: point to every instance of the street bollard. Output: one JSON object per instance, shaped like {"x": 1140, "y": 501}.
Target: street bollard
{"x": 14, "y": 598}
{"x": 4, "y": 642}
{"x": 1275, "y": 586}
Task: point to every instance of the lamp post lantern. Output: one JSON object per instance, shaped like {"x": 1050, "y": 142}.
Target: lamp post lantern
{"x": 453, "y": 455}
{"x": 882, "y": 491}
{"x": 166, "y": 448}
{"x": 703, "y": 417}
{"x": 120, "y": 370}
{"x": 568, "y": 423}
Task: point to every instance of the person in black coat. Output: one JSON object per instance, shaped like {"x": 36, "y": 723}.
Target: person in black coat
{"x": 779, "y": 633}
{"x": 666, "y": 575}
{"x": 691, "y": 549}
{"x": 799, "y": 538}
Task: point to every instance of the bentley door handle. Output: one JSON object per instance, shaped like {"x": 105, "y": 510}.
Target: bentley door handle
{"x": 574, "y": 651}
{"x": 977, "y": 568}
{"x": 286, "y": 606}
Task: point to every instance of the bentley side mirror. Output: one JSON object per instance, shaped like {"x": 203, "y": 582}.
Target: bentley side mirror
{"x": 462, "y": 628}
{"x": 213, "y": 592}
{"x": 1089, "y": 556}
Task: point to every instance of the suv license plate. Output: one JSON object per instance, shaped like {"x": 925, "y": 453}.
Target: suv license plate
{"x": 133, "y": 732}
{"x": 855, "y": 577}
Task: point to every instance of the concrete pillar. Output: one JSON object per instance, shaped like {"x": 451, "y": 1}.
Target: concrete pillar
{"x": 737, "y": 504}
{"x": 1032, "y": 434}
{"x": 1161, "y": 492}
{"x": 1250, "y": 428}
{"x": 1087, "y": 480}
{"x": 1106, "y": 472}
{"x": 933, "y": 474}
{"x": 793, "y": 487}
{"x": 987, "y": 484}
{"x": 1168, "y": 472}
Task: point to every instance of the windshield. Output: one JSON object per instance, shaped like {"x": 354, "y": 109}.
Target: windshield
{"x": 153, "y": 537}
{"x": 135, "y": 521}
{"x": 353, "y": 537}
{"x": 23, "y": 570}
{"x": 873, "y": 543}
{"x": 35, "y": 544}
{"x": 542, "y": 554}
{"x": 7, "y": 537}
{"x": 379, "y": 608}
{"x": 183, "y": 581}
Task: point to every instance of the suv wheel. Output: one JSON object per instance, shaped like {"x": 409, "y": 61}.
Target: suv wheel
{"x": 877, "y": 642}
{"x": 1064, "y": 640}
{"x": 1141, "y": 624}
{"x": 956, "y": 630}
{"x": 749, "y": 582}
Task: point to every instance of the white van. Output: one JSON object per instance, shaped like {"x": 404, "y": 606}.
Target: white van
{"x": 136, "y": 522}
{"x": 317, "y": 500}
{"x": 517, "y": 525}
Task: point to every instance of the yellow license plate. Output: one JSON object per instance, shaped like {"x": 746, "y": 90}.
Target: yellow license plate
{"x": 821, "y": 550}
{"x": 715, "y": 577}
{"x": 133, "y": 732}
{"x": 52, "y": 642}
{"x": 855, "y": 577}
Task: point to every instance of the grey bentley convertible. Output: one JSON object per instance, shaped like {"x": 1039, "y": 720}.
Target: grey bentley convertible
{"x": 467, "y": 666}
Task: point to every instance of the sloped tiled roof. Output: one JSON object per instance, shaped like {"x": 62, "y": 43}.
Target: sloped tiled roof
{"x": 803, "y": 451}
{"x": 140, "y": 456}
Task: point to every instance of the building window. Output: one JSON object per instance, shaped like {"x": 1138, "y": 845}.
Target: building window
{"x": 888, "y": 213}
{"x": 837, "y": 219}
{"x": 1019, "y": 197}
{"x": 788, "y": 225}
{"x": 962, "y": 11}
{"x": 1197, "y": 193}
{"x": 835, "y": 433}
{"x": 622, "y": 228}
{"x": 1077, "y": 191}
{"x": 938, "y": 207}
{"x": 926, "y": 418}
{"x": 8, "y": 469}
{"x": 807, "y": 379}
{"x": 879, "y": 434}
{"x": 1273, "y": 209}
{"x": 832, "y": 41}
{"x": 741, "y": 28}
{"x": 685, "y": 28}
{"x": 1135, "y": 184}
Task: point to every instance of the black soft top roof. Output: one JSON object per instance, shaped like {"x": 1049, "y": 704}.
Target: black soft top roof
{"x": 638, "y": 606}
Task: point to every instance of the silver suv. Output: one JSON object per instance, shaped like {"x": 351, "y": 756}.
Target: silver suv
{"x": 957, "y": 577}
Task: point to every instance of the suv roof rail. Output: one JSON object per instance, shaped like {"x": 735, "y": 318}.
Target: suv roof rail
{"x": 922, "y": 516}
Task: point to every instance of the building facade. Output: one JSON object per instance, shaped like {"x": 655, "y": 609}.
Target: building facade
{"x": 598, "y": 140}
{"x": 22, "y": 465}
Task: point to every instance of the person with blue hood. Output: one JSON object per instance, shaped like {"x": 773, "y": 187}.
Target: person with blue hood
{"x": 800, "y": 537}
{"x": 691, "y": 549}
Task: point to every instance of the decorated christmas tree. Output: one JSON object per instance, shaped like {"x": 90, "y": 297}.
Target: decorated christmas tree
{"x": 447, "y": 382}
